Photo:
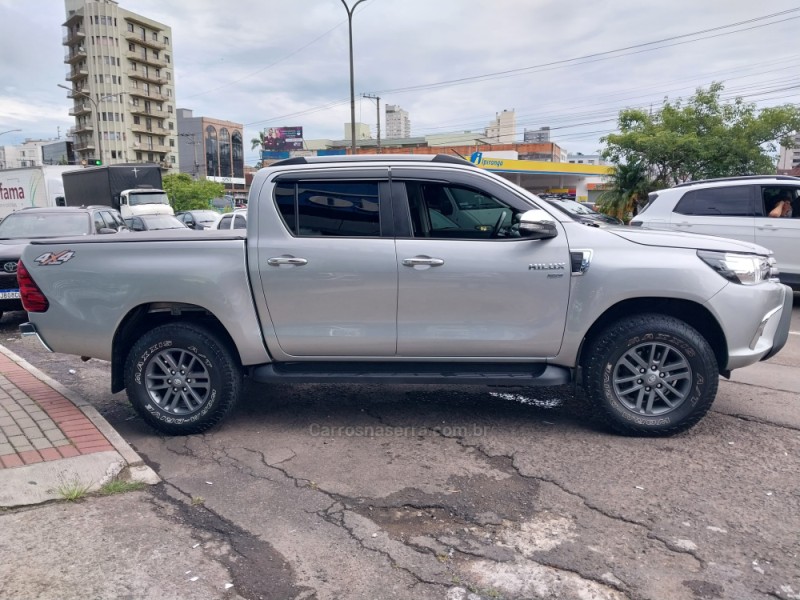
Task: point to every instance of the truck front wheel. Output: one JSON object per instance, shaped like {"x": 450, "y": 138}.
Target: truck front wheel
{"x": 182, "y": 379}
{"x": 650, "y": 375}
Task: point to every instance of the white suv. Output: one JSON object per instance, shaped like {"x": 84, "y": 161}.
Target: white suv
{"x": 734, "y": 207}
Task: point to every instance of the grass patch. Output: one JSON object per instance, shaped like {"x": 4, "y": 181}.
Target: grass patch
{"x": 117, "y": 486}
{"x": 197, "y": 500}
{"x": 74, "y": 490}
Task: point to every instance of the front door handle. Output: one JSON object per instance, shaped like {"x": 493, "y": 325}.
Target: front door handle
{"x": 422, "y": 260}
{"x": 286, "y": 260}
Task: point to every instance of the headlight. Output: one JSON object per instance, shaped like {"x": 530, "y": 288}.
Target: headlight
{"x": 747, "y": 269}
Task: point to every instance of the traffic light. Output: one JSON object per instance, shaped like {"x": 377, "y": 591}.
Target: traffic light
{"x": 96, "y": 163}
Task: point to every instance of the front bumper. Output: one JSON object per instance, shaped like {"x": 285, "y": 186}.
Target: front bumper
{"x": 755, "y": 321}
{"x": 782, "y": 333}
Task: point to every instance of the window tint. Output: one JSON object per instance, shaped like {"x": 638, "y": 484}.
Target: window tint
{"x": 98, "y": 222}
{"x": 735, "y": 201}
{"x": 225, "y": 222}
{"x": 448, "y": 211}
{"x": 284, "y": 198}
{"x": 771, "y": 196}
{"x": 337, "y": 209}
{"x": 239, "y": 222}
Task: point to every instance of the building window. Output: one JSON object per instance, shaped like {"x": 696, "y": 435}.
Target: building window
{"x": 212, "y": 152}
{"x": 132, "y": 48}
{"x": 166, "y": 40}
{"x": 130, "y": 27}
{"x": 171, "y": 126}
{"x": 166, "y": 57}
{"x": 171, "y": 142}
{"x": 138, "y": 156}
{"x": 237, "y": 154}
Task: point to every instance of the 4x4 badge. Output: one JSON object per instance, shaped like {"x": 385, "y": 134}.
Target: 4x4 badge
{"x": 57, "y": 258}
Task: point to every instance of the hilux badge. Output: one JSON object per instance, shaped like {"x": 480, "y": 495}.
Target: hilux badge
{"x": 547, "y": 266}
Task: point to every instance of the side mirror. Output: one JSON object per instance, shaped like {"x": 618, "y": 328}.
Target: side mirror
{"x": 536, "y": 224}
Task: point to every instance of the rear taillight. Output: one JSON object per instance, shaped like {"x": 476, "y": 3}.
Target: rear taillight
{"x": 33, "y": 300}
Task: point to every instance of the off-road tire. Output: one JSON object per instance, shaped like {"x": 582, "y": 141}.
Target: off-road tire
{"x": 196, "y": 404}
{"x": 608, "y": 356}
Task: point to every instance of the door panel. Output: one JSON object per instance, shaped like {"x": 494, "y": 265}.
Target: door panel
{"x": 330, "y": 286}
{"x": 482, "y": 300}
{"x": 467, "y": 289}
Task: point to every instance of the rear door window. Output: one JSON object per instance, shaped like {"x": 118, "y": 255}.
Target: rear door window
{"x": 733, "y": 201}
{"x": 330, "y": 208}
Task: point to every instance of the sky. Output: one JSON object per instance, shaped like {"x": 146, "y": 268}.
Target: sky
{"x": 452, "y": 64}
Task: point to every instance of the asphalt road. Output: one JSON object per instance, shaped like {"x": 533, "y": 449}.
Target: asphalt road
{"x": 345, "y": 491}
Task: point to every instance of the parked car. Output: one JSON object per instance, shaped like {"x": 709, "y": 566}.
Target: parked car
{"x": 346, "y": 276}
{"x": 582, "y": 213}
{"x": 199, "y": 219}
{"x": 234, "y": 220}
{"x": 22, "y": 226}
{"x": 734, "y": 207}
{"x": 154, "y": 223}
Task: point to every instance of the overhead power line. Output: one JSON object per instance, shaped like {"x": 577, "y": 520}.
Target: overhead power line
{"x": 605, "y": 55}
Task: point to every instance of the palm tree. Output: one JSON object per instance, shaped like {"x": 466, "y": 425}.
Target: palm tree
{"x": 629, "y": 185}
{"x": 258, "y": 142}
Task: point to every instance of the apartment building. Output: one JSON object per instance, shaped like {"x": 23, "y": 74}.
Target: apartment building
{"x": 398, "y": 124}
{"x": 120, "y": 79}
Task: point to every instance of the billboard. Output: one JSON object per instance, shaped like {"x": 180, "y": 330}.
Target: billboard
{"x": 277, "y": 139}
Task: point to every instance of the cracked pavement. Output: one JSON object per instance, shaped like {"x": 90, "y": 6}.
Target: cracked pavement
{"x": 364, "y": 491}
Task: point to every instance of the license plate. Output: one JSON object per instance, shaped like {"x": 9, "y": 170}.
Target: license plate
{"x": 9, "y": 294}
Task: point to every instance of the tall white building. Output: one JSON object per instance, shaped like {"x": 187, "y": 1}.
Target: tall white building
{"x": 397, "y": 122}
{"x": 27, "y": 154}
{"x": 790, "y": 157}
{"x": 503, "y": 129}
{"x": 120, "y": 71}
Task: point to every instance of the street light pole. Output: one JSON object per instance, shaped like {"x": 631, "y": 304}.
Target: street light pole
{"x": 352, "y": 84}
{"x": 9, "y": 131}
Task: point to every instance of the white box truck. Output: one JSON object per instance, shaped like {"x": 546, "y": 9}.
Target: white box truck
{"x": 31, "y": 186}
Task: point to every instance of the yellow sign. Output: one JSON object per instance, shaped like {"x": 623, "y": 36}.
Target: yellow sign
{"x": 537, "y": 166}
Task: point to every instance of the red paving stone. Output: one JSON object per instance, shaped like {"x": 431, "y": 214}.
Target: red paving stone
{"x": 69, "y": 451}
{"x": 93, "y": 449}
{"x": 49, "y": 454}
{"x": 11, "y": 460}
{"x": 30, "y": 456}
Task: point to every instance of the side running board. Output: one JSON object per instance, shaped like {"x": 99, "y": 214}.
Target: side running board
{"x": 536, "y": 374}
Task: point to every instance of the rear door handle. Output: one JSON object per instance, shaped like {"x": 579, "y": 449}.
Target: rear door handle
{"x": 422, "y": 261}
{"x": 286, "y": 260}
{"x": 683, "y": 224}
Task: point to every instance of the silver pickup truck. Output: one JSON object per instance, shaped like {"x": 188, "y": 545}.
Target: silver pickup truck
{"x": 408, "y": 269}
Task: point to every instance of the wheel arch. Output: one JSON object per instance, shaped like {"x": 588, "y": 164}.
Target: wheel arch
{"x": 148, "y": 316}
{"x": 692, "y": 313}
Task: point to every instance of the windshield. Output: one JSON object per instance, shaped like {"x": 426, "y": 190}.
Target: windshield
{"x": 206, "y": 216}
{"x": 163, "y": 222}
{"x": 139, "y": 198}
{"x": 575, "y": 208}
{"x": 22, "y": 225}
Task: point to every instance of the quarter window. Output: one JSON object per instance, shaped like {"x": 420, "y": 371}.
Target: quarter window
{"x": 734, "y": 201}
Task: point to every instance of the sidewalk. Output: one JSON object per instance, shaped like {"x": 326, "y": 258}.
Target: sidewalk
{"x": 50, "y": 437}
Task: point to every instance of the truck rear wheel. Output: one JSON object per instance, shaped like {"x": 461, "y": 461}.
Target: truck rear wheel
{"x": 182, "y": 379}
{"x": 650, "y": 375}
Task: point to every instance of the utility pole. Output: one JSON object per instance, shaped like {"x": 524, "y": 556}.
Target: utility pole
{"x": 378, "y": 100}
{"x": 194, "y": 142}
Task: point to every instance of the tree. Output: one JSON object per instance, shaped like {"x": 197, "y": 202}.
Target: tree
{"x": 701, "y": 138}
{"x": 258, "y": 142}
{"x": 628, "y": 187}
{"x": 186, "y": 194}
